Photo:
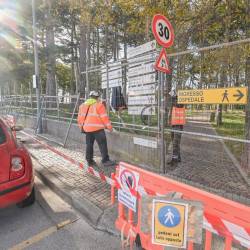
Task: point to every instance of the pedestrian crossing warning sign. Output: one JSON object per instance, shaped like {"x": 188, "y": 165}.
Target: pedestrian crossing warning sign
{"x": 162, "y": 63}
{"x": 169, "y": 223}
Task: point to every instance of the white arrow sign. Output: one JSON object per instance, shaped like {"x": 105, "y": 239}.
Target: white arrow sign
{"x": 142, "y": 59}
{"x": 112, "y": 75}
{"x": 138, "y": 100}
{"x": 137, "y": 110}
{"x": 111, "y": 67}
{"x": 142, "y": 90}
{"x": 112, "y": 83}
{"x": 144, "y": 48}
{"x": 140, "y": 70}
{"x": 144, "y": 79}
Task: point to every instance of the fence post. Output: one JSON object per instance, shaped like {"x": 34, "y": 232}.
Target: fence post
{"x": 72, "y": 117}
{"x": 162, "y": 123}
{"x": 107, "y": 90}
{"x": 159, "y": 104}
{"x": 39, "y": 130}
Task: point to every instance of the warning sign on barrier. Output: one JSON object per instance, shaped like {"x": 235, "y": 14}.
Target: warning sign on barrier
{"x": 169, "y": 223}
{"x": 127, "y": 194}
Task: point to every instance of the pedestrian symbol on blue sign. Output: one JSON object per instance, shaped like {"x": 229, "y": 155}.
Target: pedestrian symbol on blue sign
{"x": 169, "y": 216}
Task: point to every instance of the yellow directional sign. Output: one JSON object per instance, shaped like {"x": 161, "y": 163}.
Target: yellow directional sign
{"x": 169, "y": 223}
{"x": 213, "y": 96}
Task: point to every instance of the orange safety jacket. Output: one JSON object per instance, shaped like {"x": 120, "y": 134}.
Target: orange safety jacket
{"x": 178, "y": 116}
{"x": 93, "y": 117}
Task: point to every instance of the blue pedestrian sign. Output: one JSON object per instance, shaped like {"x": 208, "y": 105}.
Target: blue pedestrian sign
{"x": 169, "y": 223}
{"x": 169, "y": 216}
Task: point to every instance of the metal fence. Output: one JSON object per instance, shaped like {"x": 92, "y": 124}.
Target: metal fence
{"x": 215, "y": 155}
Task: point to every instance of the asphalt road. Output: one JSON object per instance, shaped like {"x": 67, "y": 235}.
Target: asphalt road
{"x": 50, "y": 224}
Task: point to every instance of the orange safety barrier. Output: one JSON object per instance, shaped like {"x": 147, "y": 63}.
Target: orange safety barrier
{"x": 223, "y": 217}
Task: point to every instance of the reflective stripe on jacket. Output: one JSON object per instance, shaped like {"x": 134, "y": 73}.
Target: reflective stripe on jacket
{"x": 96, "y": 118}
{"x": 178, "y": 116}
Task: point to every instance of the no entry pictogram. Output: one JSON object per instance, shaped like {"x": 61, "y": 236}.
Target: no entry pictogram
{"x": 127, "y": 194}
{"x": 163, "y": 31}
{"x": 128, "y": 181}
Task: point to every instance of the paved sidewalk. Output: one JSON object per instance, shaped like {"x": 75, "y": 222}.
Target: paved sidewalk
{"x": 207, "y": 164}
{"x": 85, "y": 192}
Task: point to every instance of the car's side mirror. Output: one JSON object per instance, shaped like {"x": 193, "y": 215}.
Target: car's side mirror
{"x": 17, "y": 128}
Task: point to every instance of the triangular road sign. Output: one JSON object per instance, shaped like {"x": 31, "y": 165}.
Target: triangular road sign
{"x": 162, "y": 63}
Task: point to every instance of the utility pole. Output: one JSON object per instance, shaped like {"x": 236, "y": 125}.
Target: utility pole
{"x": 37, "y": 78}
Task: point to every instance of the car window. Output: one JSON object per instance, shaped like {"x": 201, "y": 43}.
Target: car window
{"x": 2, "y": 136}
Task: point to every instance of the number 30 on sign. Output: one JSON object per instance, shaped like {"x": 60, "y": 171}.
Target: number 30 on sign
{"x": 163, "y": 31}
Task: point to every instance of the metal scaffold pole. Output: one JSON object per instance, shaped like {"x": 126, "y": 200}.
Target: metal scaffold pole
{"x": 37, "y": 78}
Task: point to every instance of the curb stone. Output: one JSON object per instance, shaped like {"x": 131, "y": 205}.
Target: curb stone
{"x": 97, "y": 218}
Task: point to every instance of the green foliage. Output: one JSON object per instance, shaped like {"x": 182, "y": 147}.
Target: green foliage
{"x": 113, "y": 24}
{"x": 63, "y": 76}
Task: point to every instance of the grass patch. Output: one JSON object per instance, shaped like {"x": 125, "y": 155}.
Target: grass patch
{"x": 233, "y": 125}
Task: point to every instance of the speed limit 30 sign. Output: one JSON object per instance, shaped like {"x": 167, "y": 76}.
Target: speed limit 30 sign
{"x": 163, "y": 31}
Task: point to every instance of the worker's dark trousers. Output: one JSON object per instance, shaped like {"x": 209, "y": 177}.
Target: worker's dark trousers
{"x": 176, "y": 141}
{"x": 101, "y": 139}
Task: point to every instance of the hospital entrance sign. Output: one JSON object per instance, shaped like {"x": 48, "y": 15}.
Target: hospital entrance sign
{"x": 213, "y": 96}
{"x": 169, "y": 223}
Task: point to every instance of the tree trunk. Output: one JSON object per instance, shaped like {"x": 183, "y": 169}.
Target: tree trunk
{"x": 106, "y": 45}
{"x": 222, "y": 83}
{"x": 83, "y": 58}
{"x": 51, "y": 57}
{"x": 89, "y": 47}
{"x": 88, "y": 86}
{"x": 72, "y": 85}
{"x": 98, "y": 47}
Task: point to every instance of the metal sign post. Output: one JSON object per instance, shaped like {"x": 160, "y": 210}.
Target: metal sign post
{"x": 162, "y": 125}
{"x": 39, "y": 124}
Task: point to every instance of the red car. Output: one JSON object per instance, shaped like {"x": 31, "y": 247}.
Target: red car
{"x": 16, "y": 172}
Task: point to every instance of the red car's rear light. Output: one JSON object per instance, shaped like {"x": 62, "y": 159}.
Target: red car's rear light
{"x": 17, "y": 168}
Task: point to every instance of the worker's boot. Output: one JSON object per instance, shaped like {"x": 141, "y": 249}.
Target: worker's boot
{"x": 92, "y": 163}
{"x": 109, "y": 163}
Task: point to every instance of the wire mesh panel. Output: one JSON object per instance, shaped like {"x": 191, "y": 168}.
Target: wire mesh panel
{"x": 213, "y": 145}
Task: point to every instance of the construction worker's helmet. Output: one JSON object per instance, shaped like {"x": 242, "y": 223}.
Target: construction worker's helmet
{"x": 173, "y": 93}
{"x": 94, "y": 93}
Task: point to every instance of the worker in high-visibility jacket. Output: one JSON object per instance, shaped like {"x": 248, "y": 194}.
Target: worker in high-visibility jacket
{"x": 92, "y": 120}
{"x": 177, "y": 122}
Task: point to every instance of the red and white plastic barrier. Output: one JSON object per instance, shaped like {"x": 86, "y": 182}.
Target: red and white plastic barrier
{"x": 222, "y": 217}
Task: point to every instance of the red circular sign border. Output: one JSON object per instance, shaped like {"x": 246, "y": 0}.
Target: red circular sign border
{"x": 155, "y": 19}
{"x": 134, "y": 179}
